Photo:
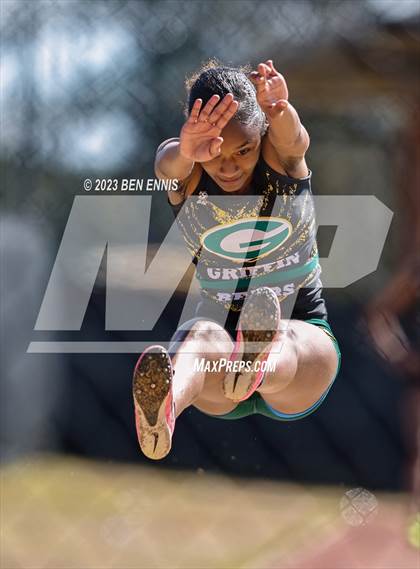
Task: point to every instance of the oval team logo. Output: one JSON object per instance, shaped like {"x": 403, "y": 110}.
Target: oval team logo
{"x": 247, "y": 240}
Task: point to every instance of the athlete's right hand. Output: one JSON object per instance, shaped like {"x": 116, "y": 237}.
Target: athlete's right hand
{"x": 200, "y": 139}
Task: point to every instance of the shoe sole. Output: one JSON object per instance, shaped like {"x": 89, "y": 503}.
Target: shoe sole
{"x": 152, "y": 382}
{"x": 259, "y": 322}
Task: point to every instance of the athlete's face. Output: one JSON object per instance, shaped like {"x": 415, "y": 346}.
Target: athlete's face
{"x": 232, "y": 169}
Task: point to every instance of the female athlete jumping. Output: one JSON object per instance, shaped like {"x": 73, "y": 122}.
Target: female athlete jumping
{"x": 245, "y": 209}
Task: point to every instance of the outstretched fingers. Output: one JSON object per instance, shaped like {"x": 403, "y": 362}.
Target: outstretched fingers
{"x": 264, "y": 70}
{"x": 221, "y": 114}
{"x": 220, "y": 117}
{"x": 272, "y": 70}
{"x": 208, "y": 107}
{"x": 258, "y": 80}
{"x": 195, "y": 111}
{"x": 214, "y": 112}
{"x": 221, "y": 108}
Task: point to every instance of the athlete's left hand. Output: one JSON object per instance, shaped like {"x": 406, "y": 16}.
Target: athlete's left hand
{"x": 272, "y": 93}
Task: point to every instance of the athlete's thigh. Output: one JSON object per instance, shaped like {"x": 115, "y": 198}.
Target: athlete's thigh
{"x": 207, "y": 344}
{"x": 317, "y": 367}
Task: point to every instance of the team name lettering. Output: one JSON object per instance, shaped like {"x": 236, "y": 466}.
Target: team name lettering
{"x": 248, "y": 272}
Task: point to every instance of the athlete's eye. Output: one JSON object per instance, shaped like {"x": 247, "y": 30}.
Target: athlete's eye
{"x": 243, "y": 151}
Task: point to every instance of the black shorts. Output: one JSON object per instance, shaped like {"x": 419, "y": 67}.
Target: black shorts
{"x": 306, "y": 305}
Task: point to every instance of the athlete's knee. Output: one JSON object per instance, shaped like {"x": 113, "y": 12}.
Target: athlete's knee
{"x": 206, "y": 329}
{"x": 280, "y": 369}
{"x": 213, "y": 338}
{"x": 322, "y": 360}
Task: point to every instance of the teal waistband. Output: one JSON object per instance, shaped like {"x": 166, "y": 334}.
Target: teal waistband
{"x": 272, "y": 278}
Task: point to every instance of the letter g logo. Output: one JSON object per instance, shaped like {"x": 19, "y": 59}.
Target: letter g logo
{"x": 247, "y": 240}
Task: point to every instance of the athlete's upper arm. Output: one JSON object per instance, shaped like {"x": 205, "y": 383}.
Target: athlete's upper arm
{"x": 186, "y": 187}
{"x": 294, "y": 166}
{"x": 161, "y": 146}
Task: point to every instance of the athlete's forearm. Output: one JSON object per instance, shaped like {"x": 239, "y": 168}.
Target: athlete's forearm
{"x": 287, "y": 134}
{"x": 169, "y": 162}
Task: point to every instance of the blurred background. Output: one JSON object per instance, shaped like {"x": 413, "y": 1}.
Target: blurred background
{"x": 89, "y": 90}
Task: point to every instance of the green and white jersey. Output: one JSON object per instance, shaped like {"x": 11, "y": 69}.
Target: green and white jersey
{"x": 264, "y": 237}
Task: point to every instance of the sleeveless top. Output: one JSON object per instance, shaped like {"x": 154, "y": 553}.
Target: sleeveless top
{"x": 264, "y": 237}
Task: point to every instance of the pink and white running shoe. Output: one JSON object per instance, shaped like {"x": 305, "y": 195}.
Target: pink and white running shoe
{"x": 258, "y": 328}
{"x": 153, "y": 402}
